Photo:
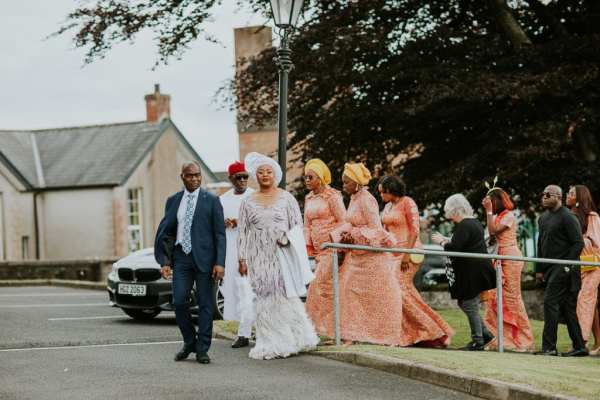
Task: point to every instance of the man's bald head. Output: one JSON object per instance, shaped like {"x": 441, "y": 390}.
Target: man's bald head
{"x": 191, "y": 175}
{"x": 554, "y": 189}
{"x": 552, "y": 197}
{"x": 189, "y": 164}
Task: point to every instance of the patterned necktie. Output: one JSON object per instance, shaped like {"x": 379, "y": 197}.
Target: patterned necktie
{"x": 186, "y": 241}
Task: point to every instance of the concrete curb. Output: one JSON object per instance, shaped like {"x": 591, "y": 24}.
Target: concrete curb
{"x": 480, "y": 387}
{"x": 54, "y": 282}
{"x": 485, "y": 388}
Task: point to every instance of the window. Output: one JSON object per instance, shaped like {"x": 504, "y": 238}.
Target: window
{"x": 134, "y": 219}
{"x": 25, "y": 247}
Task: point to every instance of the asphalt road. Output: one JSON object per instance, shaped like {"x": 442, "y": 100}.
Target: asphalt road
{"x": 59, "y": 343}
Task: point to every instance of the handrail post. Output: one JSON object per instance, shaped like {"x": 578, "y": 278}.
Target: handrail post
{"x": 336, "y": 296}
{"x": 499, "y": 308}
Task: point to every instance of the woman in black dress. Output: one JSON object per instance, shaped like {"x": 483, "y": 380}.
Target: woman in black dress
{"x": 469, "y": 276}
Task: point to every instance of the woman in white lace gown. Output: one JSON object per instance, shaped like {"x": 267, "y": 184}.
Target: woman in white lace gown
{"x": 282, "y": 325}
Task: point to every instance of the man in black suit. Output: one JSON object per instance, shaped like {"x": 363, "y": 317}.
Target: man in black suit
{"x": 190, "y": 248}
{"x": 560, "y": 238}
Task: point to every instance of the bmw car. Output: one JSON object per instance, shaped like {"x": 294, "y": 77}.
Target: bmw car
{"x": 136, "y": 286}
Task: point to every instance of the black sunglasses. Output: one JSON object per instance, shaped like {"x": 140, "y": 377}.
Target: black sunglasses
{"x": 241, "y": 177}
{"x": 547, "y": 195}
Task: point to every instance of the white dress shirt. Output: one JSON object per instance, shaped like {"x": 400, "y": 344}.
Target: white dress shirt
{"x": 181, "y": 211}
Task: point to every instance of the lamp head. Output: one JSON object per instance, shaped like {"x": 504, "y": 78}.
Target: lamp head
{"x": 286, "y": 12}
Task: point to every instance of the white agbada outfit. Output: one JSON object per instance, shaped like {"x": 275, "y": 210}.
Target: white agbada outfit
{"x": 239, "y": 298}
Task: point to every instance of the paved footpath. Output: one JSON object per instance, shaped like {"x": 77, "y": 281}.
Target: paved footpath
{"x": 105, "y": 355}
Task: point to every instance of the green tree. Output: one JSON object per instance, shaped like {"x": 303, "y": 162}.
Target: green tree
{"x": 447, "y": 93}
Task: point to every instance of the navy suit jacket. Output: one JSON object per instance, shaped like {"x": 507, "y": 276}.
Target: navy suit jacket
{"x": 208, "y": 232}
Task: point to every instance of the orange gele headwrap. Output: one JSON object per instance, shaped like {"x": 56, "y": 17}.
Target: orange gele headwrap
{"x": 358, "y": 173}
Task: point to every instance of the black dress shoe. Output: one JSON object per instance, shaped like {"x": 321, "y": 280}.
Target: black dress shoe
{"x": 202, "y": 358}
{"x": 487, "y": 339}
{"x": 546, "y": 353}
{"x": 241, "y": 341}
{"x": 473, "y": 346}
{"x": 184, "y": 353}
{"x": 576, "y": 353}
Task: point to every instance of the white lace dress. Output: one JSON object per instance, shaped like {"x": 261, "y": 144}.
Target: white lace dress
{"x": 282, "y": 325}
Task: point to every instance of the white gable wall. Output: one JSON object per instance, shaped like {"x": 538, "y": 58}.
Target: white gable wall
{"x": 77, "y": 223}
{"x": 91, "y": 222}
{"x": 158, "y": 177}
{"x": 16, "y": 218}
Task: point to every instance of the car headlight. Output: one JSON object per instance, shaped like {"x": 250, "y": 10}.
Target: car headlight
{"x": 114, "y": 274}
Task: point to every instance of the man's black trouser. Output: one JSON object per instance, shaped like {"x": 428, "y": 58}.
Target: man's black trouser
{"x": 560, "y": 297}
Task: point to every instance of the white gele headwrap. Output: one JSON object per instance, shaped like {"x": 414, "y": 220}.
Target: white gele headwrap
{"x": 255, "y": 160}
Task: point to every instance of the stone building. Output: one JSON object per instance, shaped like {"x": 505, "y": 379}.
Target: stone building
{"x": 90, "y": 191}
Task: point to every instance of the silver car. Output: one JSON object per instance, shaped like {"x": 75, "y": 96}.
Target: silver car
{"x": 137, "y": 287}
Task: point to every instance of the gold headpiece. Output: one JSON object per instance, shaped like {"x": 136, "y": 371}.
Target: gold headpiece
{"x": 493, "y": 186}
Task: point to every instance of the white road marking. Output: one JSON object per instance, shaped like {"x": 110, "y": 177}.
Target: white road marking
{"x": 86, "y": 318}
{"x": 55, "y": 305}
{"x": 52, "y": 294}
{"x": 88, "y": 346}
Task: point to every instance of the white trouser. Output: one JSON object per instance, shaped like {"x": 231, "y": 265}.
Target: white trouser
{"x": 246, "y": 306}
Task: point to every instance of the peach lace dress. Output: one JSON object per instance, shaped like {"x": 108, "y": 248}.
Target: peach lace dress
{"x": 517, "y": 329}
{"x": 420, "y": 323}
{"x": 370, "y": 294}
{"x": 588, "y": 295}
{"x": 323, "y": 212}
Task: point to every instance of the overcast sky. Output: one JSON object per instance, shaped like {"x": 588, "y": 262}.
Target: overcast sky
{"x": 45, "y": 85}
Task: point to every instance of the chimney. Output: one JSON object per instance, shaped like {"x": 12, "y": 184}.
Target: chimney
{"x": 250, "y": 42}
{"x": 158, "y": 105}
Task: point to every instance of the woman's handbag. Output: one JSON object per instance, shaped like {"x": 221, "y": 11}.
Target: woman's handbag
{"x": 492, "y": 244}
{"x": 416, "y": 258}
{"x": 450, "y": 274}
{"x": 591, "y": 256}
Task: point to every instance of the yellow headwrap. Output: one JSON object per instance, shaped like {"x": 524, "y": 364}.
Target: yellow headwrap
{"x": 358, "y": 173}
{"x": 318, "y": 167}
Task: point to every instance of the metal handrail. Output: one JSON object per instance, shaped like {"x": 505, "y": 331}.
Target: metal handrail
{"x": 487, "y": 256}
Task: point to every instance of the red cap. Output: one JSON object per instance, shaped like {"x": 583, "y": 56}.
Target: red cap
{"x": 236, "y": 167}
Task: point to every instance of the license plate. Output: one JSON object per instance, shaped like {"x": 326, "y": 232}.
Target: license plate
{"x": 132, "y": 290}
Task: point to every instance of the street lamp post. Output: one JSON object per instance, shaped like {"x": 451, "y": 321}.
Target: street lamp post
{"x": 285, "y": 14}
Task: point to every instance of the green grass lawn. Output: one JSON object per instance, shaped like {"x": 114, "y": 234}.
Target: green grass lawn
{"x": 458, "y": 321}
{"x": 578, "y": 377}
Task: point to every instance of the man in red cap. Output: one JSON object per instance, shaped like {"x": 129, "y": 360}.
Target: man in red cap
{"x": 239, "y": 298}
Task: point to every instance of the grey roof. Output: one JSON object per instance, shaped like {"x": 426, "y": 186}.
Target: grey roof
{"x": 16, "y": 148}
{"x": 100, "y": 155}
{"x": 222, "y": 176}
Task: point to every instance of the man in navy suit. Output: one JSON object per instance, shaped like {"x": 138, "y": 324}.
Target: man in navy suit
{"x": 190, "y": 248}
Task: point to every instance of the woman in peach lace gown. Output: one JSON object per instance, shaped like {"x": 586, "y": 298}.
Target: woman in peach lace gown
{"x": 502, "y": 224}
{"x": 370, "y": 294}
{"x": 420, "y": 323}
{"x": 580, "y": 200}
{"x": 323, "y": 211}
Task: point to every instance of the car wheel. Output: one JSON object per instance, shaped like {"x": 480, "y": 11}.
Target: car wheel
{"x": 142, "y": 314}
{"x": 219, "y": 301}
